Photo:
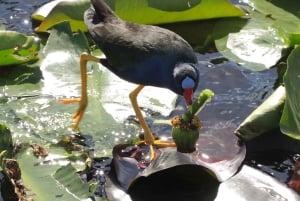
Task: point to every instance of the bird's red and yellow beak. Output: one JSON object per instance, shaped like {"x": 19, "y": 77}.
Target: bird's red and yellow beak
{"x": 188, "y": 95}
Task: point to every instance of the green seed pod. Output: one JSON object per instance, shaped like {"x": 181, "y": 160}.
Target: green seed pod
{"x": 186, "y": 128}
{"x": 185, "y": 134}
{"x": 185, "y": 139}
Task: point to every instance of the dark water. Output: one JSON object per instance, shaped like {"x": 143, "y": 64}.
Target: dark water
{"x": 239, "y": 92}
{"x": 15, "y": 14}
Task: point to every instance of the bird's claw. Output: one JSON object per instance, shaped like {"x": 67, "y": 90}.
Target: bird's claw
{"x": 80, "y": 111}
{"x": 154, "y": 145}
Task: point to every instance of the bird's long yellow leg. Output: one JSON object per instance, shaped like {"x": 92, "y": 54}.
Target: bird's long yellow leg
{"x": 83, "y": 100}
{"x": 148, "y": 136}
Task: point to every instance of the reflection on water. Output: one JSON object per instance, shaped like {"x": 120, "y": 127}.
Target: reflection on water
{"x": 278, "y": 163}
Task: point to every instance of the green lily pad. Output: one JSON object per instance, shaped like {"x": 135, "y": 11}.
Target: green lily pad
{"x": 255, "y": 43}
{"x": 259, "y": 44}
{"x": 21, "y": 74}
{"x": 68, "y": 177}
{"x": 140, "y": 11}
{"x": 283, "y": 14}
{"x": 40, "y": 177}
{"x": 175, "y": 5}
{"x": 290, "y": 119}
{"x": 264, "y": 118}
{"x": 17, "y": 48}
{"x": 60, "y": 60}
{"x": 291, "y": 6}
{"x": 206, "y": 9}
{"x": 59, "y": 11}
{"x": 6, "y": 143}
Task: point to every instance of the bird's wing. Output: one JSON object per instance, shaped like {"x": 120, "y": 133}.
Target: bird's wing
{"x": 125, "y": 43}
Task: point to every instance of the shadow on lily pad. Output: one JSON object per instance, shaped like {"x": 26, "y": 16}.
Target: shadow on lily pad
{"x": 20, "y": 74}
{"x": 183, "y": 182}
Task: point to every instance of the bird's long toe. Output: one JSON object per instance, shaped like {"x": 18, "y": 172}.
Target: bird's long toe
{"x": 80, "y": 111}
{"x": 69, "y": 100}
{"x": 163, "y": 144}
{"x": 157, "y": 144}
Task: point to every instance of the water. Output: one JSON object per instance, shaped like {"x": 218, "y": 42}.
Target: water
{"x": 15, "y": 14}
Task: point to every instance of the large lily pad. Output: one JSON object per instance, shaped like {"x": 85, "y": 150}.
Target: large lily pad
{"x": 61, "y": 52}
{"x": 140, "y": 11}
{"x": 257, "y": 44}
{"x": 261, "y": 43}
{"x": 282, "y": 15}
{"x": 206, "y": 9}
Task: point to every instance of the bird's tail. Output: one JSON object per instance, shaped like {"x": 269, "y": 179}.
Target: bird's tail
{"x": 103, "y": 11}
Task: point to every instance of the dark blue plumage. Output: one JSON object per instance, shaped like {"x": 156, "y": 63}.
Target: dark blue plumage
{"x": 142, "y": 54}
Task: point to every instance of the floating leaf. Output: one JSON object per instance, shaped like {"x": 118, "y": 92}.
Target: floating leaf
{"x": 291, "y": 6}
{"x": 258, "y": 45}
{"x": 264, "y": 118}
{"x": 17, "y": 48}
{"x": 62, "y": 10}
{"x": 60, "y": 60}
{"x": 253, "y": 184}
{"x": 39, "y": 177}
{"x": 206, "y": 9}
{"x": 282, "y": 15}
{"x": 140, "y": 11}
{"x": 67, "y": 176}
{"x": 290, "y": 120}
{"x": 41, "y": 12}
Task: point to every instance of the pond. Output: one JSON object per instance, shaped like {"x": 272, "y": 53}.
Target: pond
{"x": 33, "y": 108}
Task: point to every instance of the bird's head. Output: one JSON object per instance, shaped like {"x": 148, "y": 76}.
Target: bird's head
{"x": 186, "y": 78}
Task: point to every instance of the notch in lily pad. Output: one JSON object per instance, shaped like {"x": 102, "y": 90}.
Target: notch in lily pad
{"x": 186, "y": 127}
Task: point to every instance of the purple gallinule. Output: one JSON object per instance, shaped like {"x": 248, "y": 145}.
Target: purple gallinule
{"x": 142, "y": 54}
